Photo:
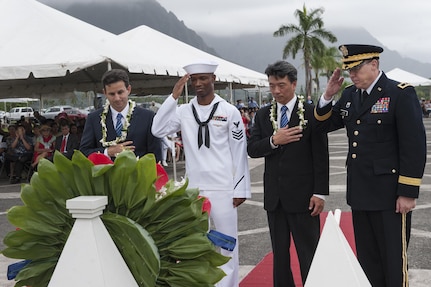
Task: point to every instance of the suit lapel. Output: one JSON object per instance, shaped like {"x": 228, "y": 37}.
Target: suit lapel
{"x": 294, "y": 118}
{"x": 132, "y": 120}
{"x": 110, "y": 131}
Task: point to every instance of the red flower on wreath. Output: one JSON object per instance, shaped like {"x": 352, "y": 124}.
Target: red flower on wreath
{"x": 162, "y": 177}
{"x": 206, "y": 206}
{"x": 99, "y": 158}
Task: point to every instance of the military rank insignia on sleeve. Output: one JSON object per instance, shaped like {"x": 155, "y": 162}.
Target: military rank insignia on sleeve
{"x": 237, "y": 133}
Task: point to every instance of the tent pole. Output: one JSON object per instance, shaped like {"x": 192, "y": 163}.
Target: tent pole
{"x": 230, "y": 93}
{"x": 260, "y": 96}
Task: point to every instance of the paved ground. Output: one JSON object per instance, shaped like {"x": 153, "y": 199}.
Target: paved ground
{"x": 254, "y": 237}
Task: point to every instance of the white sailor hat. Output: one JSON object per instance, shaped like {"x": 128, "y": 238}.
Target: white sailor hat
{"x": 201, "y": 67}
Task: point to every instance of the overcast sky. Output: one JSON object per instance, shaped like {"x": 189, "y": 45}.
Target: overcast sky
{"x": 401, "y": 25}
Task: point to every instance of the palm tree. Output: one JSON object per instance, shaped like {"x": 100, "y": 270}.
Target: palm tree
{"x": 330, "y": 61}
{"x": 307, "y": 36}
{"x": 317, "y": 64}
{"x": 324, "y": 64}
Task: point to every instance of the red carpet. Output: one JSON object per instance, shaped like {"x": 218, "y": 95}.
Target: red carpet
{"x": 261, "y": 275}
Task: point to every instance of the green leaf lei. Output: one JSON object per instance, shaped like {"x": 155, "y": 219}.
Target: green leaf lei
{"x": 162, "y": 241}
{"x": 273, "y": 114}
{"x": 126, "y": 125}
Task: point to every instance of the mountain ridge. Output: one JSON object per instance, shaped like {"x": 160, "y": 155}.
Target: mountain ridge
{"x": 254, "y": 51}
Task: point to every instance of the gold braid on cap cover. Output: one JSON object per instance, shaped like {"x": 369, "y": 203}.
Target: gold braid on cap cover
{"x": 360, "y": 57}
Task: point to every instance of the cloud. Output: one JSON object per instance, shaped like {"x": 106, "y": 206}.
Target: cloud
{"x": 400, "y": 25}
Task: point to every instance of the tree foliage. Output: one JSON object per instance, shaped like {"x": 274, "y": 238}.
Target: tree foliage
{"x": 307, "y": 36}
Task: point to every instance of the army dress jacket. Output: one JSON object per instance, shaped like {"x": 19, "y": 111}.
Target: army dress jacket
{"x": 387, "y": 143}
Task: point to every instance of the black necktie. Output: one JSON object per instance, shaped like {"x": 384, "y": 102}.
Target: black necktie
{"x": 364, "y": 96}
{"x": 204, "y": 124}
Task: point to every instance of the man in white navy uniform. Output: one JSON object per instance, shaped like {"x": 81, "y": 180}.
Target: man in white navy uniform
{"x": 215, "y": 146}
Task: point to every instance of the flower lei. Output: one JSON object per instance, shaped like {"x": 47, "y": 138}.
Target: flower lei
{"x": 126, "y": 125}
{"x": 302, "y": 121}
{"x": 47, "y": 144}
{"x": 273, "y": 114}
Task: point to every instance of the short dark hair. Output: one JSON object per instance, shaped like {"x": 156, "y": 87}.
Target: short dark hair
{"x": 281, "y": 69}
{"x": 115, "y": 75}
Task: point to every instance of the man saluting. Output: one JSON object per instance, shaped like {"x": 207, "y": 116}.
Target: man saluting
{"x": 215, "y": 149}
{"x": 385, "y": 162}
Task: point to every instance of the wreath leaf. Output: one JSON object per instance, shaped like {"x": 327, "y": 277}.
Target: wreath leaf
{"x": 136, "y": 246}
{"x": 161, "y": 236}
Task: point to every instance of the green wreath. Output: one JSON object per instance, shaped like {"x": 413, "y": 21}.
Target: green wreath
{"x": 161, "y": 236}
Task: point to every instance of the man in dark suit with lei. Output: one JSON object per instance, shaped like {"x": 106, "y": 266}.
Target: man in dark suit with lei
{"x": 120, "y": 124}
{"x": 296, "y": 177}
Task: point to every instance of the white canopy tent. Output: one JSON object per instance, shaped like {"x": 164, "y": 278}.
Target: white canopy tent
{"x": 400, "y": 75}
{"x": 180, "y": 54}
{"x": 45, "y": 52}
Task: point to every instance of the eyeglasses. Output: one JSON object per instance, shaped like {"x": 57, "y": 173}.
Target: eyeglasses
{"x": 358, "y": 67}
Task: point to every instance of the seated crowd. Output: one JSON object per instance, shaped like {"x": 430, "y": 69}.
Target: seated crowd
{"x": 25, "y": 143}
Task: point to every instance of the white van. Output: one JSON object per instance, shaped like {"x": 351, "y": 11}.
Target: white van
{"x": 15, "y": 114}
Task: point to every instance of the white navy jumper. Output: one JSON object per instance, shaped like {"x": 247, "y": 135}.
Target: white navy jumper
{"x": 216, "y": 161}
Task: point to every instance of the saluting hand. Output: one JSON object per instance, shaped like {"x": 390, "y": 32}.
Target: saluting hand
{"x": 334, "y": 84}
{"x": 179, "y": 86}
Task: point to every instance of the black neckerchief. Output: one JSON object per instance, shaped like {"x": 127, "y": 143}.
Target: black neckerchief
{"x": 205, "y": 125}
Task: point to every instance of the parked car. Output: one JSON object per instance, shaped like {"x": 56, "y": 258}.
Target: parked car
{"x": 88, "y": 110}
{"x": 2, "y": 114}
{"x": 52, "y": 112}
{"x": 73, "y": 114}
{"x": 15, "y": 114}
{"x": 150, "y": 106}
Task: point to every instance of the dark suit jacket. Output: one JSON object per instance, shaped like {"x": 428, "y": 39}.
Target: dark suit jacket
{"x": 71, "y": 145}
{"x": 293, "y": 172}
{"x": 139, "y": 132}
{"x": 387, "y": 145}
